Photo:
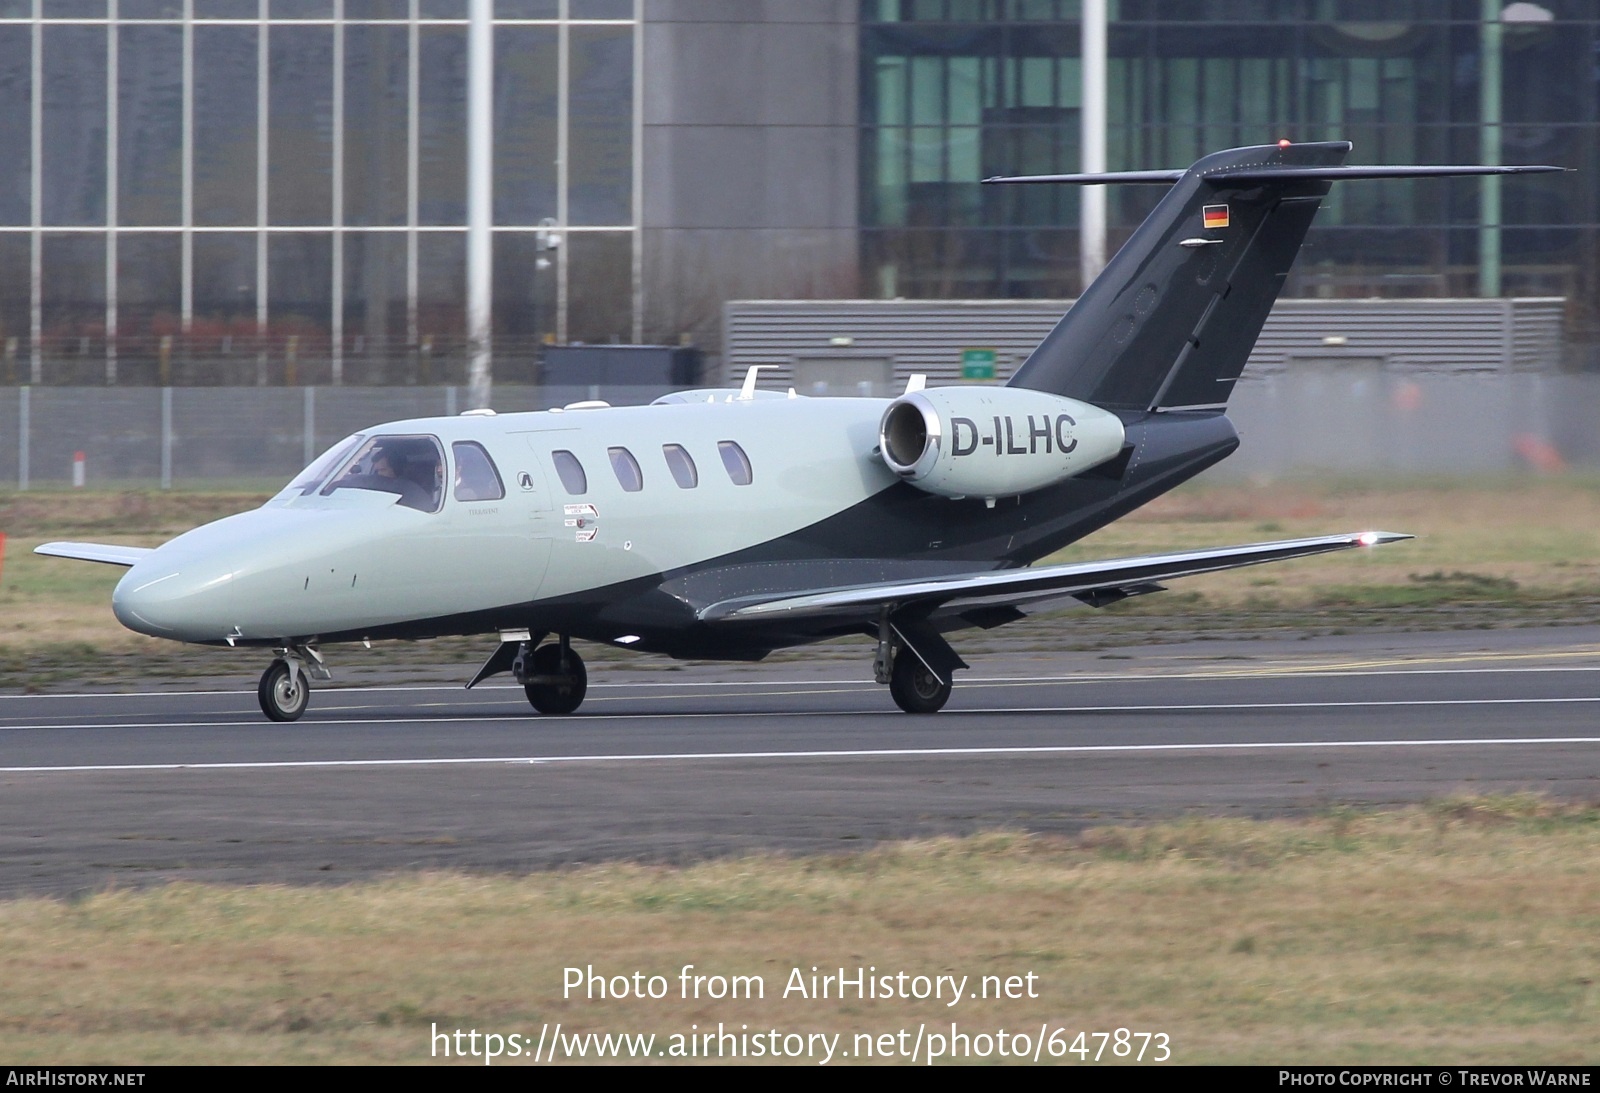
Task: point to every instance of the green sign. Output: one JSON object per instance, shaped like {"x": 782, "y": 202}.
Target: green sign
{"x": 977, "y": 364}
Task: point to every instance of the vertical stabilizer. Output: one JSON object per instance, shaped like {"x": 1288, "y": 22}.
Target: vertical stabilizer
{"x": 1172, "y": 319}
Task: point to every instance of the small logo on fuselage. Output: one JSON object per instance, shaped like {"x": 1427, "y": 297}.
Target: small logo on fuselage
{"x": 525, "y": 480}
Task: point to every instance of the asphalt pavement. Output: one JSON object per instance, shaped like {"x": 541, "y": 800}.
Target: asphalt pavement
{"x": 185, "y": 780}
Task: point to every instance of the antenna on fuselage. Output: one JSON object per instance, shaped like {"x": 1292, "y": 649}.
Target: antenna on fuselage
{"x": 748, "y": 391}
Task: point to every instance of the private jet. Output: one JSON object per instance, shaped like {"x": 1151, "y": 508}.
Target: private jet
{"x": 728, "y": 523}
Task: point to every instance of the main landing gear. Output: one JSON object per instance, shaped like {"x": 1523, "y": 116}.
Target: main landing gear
{"x": 285, "y": 687}
{"x": 552, "y": 675}
{"x": 914, "y": 687}
{"x": 917, "y": 664}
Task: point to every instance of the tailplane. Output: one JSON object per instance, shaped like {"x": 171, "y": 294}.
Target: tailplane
{"x": 1171, "y": 321}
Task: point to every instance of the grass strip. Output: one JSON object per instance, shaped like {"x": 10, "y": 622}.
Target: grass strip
{"x": 1467, "y": 930}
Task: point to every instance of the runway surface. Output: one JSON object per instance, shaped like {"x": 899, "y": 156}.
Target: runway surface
{"x": 100, "y": 790}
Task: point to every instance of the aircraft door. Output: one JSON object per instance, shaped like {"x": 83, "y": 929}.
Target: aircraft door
{"x": 500, "y": 523}
{"x": 529, "y": 487}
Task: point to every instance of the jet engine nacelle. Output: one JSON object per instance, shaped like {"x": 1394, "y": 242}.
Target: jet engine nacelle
{"x": 993, "y": 441}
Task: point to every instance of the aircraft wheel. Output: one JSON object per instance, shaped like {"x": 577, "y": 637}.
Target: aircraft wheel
{"x": 283, "y": 694}
{"x": 557, "y": 698}
{"x": 915, "y": 689}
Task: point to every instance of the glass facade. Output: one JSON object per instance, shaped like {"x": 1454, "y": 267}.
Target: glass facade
{"x": 243, "y": 191}
{"x": 957, "y": 90}
{"x": 240, "y": 191}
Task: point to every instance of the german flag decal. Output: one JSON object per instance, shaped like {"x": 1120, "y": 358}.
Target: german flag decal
{"x": 1216, "y": 216}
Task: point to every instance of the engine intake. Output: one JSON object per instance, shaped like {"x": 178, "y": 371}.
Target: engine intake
{"x": 994, "y": 441}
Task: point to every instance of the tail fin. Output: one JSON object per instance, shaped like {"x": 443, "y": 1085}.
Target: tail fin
{"x": 1173, "y": 317}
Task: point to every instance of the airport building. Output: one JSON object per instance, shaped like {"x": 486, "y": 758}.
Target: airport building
{"x": 242, "y": 191}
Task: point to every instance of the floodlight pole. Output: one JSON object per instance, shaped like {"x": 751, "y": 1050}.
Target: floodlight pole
{"x": 480, "y": 197}
{"x": 1489, "y": 90}
{"x": 1092, "y": 199}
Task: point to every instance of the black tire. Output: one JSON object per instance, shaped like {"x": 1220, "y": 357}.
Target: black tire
{"x": 557, "y": 698}
{"x": 284, "y": 694}
{"x": 915, "y": 689}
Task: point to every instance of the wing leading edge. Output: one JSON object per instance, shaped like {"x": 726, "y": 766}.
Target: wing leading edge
{"x": 1103, "y": 581}
{"x": 109, "y": 553}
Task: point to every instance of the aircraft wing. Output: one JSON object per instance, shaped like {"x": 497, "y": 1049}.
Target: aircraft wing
{"x": 109, "y": 553}
{"x": 1092, "y": 582}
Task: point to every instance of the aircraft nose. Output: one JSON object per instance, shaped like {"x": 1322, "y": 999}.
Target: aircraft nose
{"x": 188, "y": 602}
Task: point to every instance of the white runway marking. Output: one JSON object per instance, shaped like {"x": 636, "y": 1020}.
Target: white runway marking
{"x": 864, "y": 753}
{"x": 538, "y": 719}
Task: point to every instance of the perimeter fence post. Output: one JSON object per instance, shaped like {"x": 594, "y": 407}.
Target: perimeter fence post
{"x": 166, "y": 438}
{"x": 23, "y": 426}
{"x": 308, "y": 445}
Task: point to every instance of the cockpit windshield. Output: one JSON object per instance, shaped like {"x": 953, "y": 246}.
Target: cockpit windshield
{"x": 411, "y": 466}
{"x": 310, "y": 478}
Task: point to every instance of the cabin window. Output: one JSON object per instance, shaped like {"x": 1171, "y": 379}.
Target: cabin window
{"x": 476, "y": 477}
{"x": 571, "y": 473}
{"x": 681, "y": 464}
{"x": 627, "y": 469}
{"x": 410, "y": 466}
{"x": 737, "y": 463}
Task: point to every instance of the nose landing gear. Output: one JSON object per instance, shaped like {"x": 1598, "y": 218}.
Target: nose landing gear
{"x": 285, "y": 687}
{"x": 284, "y": 692}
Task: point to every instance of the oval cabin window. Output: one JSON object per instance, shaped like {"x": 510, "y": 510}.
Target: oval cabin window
{"x": 737, "y": 463}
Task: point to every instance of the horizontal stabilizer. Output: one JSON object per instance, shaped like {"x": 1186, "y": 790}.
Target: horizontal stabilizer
{"x": 1101, "y": 179}
{"x": 1085, "y": 580}
{"x": 1234, "y": 175}
{"x": 1231, "y": 176}
{"x": 109, "y": 553}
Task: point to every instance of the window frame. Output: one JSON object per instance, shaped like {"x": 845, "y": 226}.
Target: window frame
{"x": 736, "y": 462}
{"x": 347, "y": 477}
{"x": 682, "y": 466}
{"x": 621, "y": 458}
{"x": 460, "y": 481}
{"x": 563, "y": 469}
{"x": 317, "y": 472}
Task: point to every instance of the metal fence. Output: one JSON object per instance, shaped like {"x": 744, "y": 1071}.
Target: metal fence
{"x": 1350, "y": 417}
{"x": 1362, "y": 419}
{"x": 192, "y": 436}
{"x": 223, "y": 358}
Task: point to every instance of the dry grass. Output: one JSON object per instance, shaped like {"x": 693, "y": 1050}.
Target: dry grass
{"x": 1537, "y": 537}
{"x": 1466, "y": 931}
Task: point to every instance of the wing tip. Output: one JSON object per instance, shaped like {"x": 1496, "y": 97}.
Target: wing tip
{"x": 105, "y": 553}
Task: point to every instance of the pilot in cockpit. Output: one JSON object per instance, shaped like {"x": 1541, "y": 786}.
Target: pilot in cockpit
{"x": 395, "y": 469}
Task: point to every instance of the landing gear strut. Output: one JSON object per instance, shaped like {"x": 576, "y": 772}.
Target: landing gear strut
{"x": 285, "y": 687}
{"x": 554, "y": 678}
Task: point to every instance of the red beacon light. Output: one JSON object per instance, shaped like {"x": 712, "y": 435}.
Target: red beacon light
{"x": 1284, "y": 142}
